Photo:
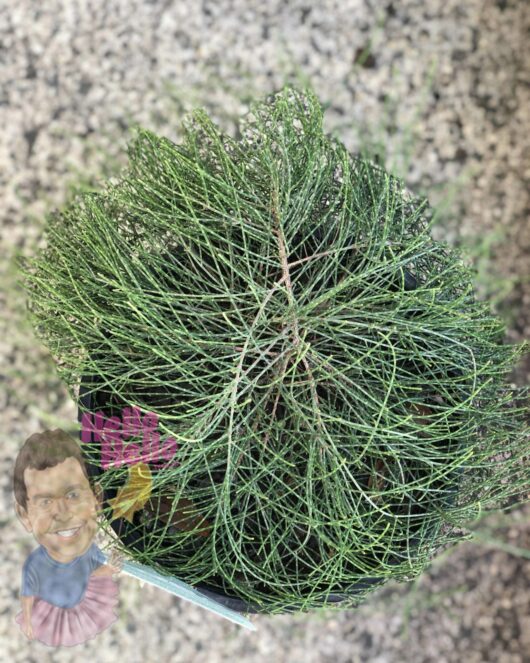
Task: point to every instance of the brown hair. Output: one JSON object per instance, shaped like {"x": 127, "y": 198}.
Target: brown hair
{"x": 41, "y": 451}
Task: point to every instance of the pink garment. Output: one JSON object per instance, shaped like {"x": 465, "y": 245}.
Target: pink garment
{"x": 56, "y": 626}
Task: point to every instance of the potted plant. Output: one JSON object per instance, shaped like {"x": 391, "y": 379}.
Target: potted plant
{"x": 337, "y": 394}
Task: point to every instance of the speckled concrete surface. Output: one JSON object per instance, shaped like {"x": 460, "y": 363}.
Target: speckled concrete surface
{"x": 442, "y": 82}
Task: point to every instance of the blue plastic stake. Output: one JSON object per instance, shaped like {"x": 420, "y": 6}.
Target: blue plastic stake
{"x": 183, "y": 591}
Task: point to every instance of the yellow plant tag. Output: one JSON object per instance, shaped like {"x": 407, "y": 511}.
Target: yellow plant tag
{"x": 134, "y": 494}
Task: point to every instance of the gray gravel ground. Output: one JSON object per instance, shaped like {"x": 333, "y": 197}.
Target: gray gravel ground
{"x": 442, "y": 85}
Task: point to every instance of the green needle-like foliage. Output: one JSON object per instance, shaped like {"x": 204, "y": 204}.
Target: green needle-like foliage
{"x": 338, "y": 394}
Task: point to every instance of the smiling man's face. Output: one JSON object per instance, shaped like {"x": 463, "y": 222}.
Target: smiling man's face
{"x": 61, "y": 509}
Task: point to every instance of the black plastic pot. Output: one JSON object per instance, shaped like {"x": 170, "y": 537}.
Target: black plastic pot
{"x": 100, "y": 400}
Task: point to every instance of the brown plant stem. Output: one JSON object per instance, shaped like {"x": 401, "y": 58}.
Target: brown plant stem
{"x": 287, "y": 277}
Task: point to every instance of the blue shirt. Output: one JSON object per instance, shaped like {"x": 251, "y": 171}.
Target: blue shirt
{"x": 58, "y": 583}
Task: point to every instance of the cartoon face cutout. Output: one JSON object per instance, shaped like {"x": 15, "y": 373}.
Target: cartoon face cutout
{"x": 61, "y": 509}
